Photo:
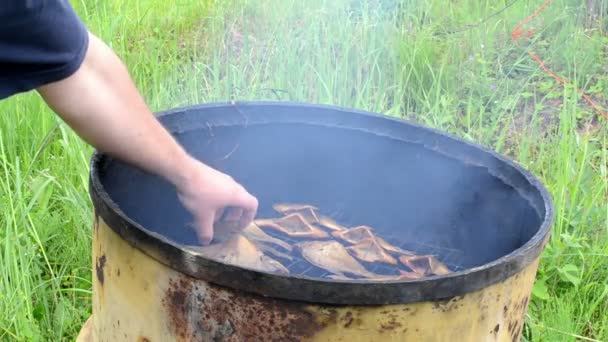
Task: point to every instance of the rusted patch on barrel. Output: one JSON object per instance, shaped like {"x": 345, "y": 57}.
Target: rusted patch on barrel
{"x": 348, "y": 319}
{"x": 391, "y": 324}
{"x": 99, "y": 265}
{"x": 514, "y": 330}
{"x": 177, "y": 306}
{"x": 522, "y": 305}
{"x": 448, "y": 304}
{"x": 213, "y": 313}
{"x": 515, "y": 313}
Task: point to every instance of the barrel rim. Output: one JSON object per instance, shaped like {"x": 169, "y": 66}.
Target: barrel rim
{"x": 316, "y": 290}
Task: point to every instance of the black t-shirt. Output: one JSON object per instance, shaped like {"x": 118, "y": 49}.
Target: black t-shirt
{"x": 41, "y": 41}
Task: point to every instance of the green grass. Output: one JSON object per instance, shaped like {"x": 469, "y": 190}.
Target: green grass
{"x": 398, "y": 57}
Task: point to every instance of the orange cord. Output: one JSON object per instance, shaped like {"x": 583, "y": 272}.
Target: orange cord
{"x": 549, "y": 72}
{"x": 516, "y": 35}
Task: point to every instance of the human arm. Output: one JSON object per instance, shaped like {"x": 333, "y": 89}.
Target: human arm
{"x": 103, "y": 106}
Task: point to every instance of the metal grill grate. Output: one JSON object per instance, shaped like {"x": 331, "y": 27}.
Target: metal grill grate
{"x": 298, "y": 266}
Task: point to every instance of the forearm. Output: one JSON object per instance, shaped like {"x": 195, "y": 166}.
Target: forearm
{"x": 100, "y": 102}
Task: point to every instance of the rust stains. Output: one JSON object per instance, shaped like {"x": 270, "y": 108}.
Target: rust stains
{"x": 326, "y": 316}
{"x": 200, "y": 310}
{"x": 99, "y": 265}
{"x": 176, "y": 304}
{"x": 390, "y": 325}
{"x": 143, "y": 339}
{"x": 519, "y": 310}
{"x": 348, "y": 319}
{"x": 447, "y": 305}
{"x": 494, "y": 332}
{"x": 522, "y": 305}
{"x": 514, "y": 330}
{"x": 515, "y": 334}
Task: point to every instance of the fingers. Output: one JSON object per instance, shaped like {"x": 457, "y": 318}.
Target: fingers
{"x": 246, "y": 218}
{"x": 204, "y": 228}
{"x": 225, "y": 230}
{"x": 250, "y": 207}
{"x": 245, "y": 200}
{"x": 234, "y": 214}
{"x": 219, "y": 215}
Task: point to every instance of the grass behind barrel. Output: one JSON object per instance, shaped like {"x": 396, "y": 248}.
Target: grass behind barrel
{"x": 435, "y": 62}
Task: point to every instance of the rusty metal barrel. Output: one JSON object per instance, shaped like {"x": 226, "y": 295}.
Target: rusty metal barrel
{"x": 484, "y": 215}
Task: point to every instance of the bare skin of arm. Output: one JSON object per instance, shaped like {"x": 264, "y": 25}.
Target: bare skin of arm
{"x": 101, "y": 103}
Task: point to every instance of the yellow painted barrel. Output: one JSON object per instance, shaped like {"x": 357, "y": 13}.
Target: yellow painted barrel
{"x": 461, "y": 197}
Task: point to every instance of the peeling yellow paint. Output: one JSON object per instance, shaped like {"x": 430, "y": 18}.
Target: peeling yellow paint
{"x": 143, "y": 300}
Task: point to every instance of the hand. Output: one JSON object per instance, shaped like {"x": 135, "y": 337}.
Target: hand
{"x": 207, "y": 193}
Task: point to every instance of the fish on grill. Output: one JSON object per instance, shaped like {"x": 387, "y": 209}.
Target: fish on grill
{"x": 330, "y": 224}
{"x": 294, "y": 225}
{"x": 268, "y": 249}
{"x": 284, "y": 208}
{"x": 308, "y": 212}
{"x": 360, "y": 233}
{"x": 424, "y": 265}
{"x": 239, "y": 251}
{"x": 369, "y": 250}
{"x": 331, "y": 256}
{"x": 225, "y": 230}
{"x": 255, "y": 233}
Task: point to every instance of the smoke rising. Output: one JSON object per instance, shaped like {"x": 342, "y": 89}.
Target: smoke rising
{"x": 348, "y": 53}
{"x": 342, "y": 52}
{"x": 417, "y": 198}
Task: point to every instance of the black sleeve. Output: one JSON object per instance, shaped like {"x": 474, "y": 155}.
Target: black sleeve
{"x": 41, "y": 41}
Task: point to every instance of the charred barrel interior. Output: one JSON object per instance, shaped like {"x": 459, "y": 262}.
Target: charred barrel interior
{"x": 419, "y": 189}
{"x": 422, "y": 190}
